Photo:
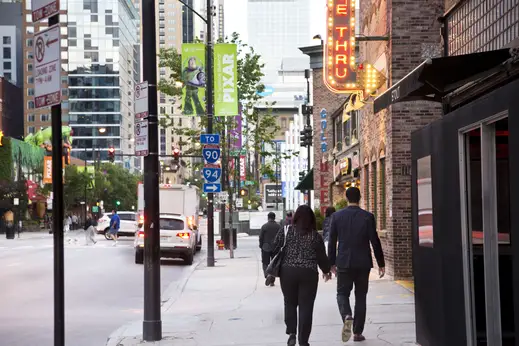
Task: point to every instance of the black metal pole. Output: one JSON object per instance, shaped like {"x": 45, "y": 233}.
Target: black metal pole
{"x": 309, "y": 148}
{"x": 58, "y": 216}
{"x": 224, "y": 182}
{"x": 86, "y": 185}
{"x": 209, "y": 105}
{"x": 277, "y": 179}
{"x": 152, "y": 324}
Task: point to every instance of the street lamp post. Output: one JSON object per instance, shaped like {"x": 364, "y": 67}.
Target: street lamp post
{"x": 308, "y": 115}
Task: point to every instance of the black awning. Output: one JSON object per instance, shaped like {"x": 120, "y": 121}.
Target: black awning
{"x": 437, "y": 77}
{"x": 307, "y": 183}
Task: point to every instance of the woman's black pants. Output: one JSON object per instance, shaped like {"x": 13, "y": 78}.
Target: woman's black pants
{"x": 299, "y": 286}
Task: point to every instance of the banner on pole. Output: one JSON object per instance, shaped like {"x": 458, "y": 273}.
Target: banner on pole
{"x": 193, "y": 77}
{"x": 225, "y": 80}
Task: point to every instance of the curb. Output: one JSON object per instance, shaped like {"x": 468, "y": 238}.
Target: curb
{"x": 169, "y": 297}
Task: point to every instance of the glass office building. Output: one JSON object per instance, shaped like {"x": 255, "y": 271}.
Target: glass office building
{"x": 103, "y": 68}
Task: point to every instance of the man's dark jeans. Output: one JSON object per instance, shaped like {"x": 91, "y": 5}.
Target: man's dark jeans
{"x": 346, "y": 278}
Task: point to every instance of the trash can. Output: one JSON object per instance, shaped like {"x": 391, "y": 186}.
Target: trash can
{"x": 226, "y": 239}
{"x": 9, "y": 230}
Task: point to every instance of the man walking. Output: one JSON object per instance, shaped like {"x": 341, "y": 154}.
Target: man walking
{"x": 266, "y": 239}
{"x": 115, "y": 224}
{"x": 353, "y": 229}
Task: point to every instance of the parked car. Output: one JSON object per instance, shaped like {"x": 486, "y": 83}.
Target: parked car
{"x": 177, "y": 239}
{"x": 129, "y": 224}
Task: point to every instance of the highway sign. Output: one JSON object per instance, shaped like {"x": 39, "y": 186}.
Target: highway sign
{"x": 212, "y": 188}
{"x": 42, "y": 9}
{"x": 238, "y": 152}
{"x": 211, "y": 154}
{"x": 141, "y": 138}
{"x": 47, "y": 67}
{"x": 212, "y": 174}
{"x": 210, "y": 139}
{"x": 141, "y": 100}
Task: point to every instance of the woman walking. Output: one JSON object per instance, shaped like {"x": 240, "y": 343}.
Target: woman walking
{"x": 326, "y": 225}
{"x": 303, "y": 252}
{"x": 89, "y": 230}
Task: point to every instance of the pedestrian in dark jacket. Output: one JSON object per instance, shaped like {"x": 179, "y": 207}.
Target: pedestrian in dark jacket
{"x": 326, "y": 223}
{"x": 304, "y": 252}
{"x": 353, "y": 229}
{"x": 266, "y": 239}
{"x": 288, "y": 219}
{"x": 90, "y": 230}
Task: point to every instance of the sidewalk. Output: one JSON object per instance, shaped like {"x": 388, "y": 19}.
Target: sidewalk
{"x": 28, "y": 235}
{"x": 230, "y": 305}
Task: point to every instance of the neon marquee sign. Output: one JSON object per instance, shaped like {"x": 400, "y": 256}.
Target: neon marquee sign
{"x": 339, "y": 54}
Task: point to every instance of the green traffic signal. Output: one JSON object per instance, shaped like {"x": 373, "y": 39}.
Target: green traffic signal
{"x": 118, "y": 203}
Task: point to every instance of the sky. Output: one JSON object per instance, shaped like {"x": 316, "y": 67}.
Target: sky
{"x": 236, "y": 18}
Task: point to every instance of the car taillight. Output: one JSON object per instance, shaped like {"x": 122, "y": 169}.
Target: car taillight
{"x": 140, "y": 234}
{"x": 183, "y": 235}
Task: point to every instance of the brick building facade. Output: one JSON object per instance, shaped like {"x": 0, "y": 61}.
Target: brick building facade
{"x": 385, "y": 137}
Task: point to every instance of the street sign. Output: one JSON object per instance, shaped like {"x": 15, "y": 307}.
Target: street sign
{"x": 141, "y": 138}
{"x": 141, "y": 101}
{"x": 210, "y": 139}
{"x": 249, "y": 183}
{"x": 238, "y": 152}
{"x": 212, "y": 174}
{"x": 47, "y": 67}
{"x": 239, "y": 203}
{"x": 212, "y": 188}
{"x": 211, "y": 154}
{"x": 42, "y": 9}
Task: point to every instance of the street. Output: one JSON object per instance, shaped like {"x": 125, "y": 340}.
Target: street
{"x": 103, "y": 286}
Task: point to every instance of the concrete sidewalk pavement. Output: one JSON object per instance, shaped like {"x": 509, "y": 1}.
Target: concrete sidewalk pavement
{"x": 230, "y": 305}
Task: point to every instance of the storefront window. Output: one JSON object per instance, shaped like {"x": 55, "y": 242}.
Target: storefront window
{"x": 350, "y": 127}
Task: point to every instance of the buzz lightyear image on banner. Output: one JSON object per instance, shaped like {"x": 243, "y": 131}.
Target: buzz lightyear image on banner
{"x": 193, "y": 77}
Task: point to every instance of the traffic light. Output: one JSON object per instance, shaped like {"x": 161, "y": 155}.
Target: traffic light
{"x": 176, "y": 154}
{"x": 111, "y": 154}
{"x": 244, "y": 192}
{"x": 117, "y": 203}
{"x": 306, "y": 137}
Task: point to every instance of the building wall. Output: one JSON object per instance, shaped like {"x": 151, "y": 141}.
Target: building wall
{"x": 37, "y": 119}
{"x": 11, "y": 20}
{"x": 385, "y": 136}
{"x": 323, "y": 170}
{"x": 9, "y": 55}
{"x": 11, "y": 109}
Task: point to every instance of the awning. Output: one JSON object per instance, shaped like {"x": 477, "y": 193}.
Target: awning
{"x": 437, "y": 77}
{"x": 307, "y": 183}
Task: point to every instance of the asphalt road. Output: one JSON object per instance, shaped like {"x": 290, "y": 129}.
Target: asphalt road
{"x": 103, "y": 290}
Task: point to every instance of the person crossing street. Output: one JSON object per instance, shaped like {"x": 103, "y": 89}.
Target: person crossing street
{"x": 115, "y": 224}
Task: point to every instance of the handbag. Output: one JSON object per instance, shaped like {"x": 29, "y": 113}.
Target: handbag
{"x": 274, "y": 266}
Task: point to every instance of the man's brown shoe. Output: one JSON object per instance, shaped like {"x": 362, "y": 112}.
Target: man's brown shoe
{"x": 358, "y": 337}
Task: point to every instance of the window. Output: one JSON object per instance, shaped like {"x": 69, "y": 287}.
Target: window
{"x": 30, "y": 80}
{"x": 30, "y": 104}
{"x": 171, "y": 224}
{"x": 28, "y": 42}
{"x": 30, "y": 55}
{"x": 350, "y": 128}
{"x": 30, "y": 92}
{"x": 283, "y": 123}
{"x": 7, "y": 39}
{"x": 7, "y": 65}
{"x": 425, "y": 210}
{"x": 7, "y": 53}
{"x": 30, "y": 30}
{"x": 45, "y": 117}
{"x": 383, "y": 203}
{"x": 180, "y": 122}
{"x": 127, "y": 217}
{"x": 31, "y": 118}
{"x": 31, "y": 129}
{"x": 29, "y": 67}
{"x": 8, "y": 76}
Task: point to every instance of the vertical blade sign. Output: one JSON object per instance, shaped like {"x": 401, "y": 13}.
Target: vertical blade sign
{"x": 339, "y": 52}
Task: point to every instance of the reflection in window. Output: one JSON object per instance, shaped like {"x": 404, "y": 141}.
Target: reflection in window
{"x": 425, "y": 207}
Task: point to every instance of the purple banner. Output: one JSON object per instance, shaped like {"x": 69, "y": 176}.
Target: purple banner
{"x": 237, "y": 132}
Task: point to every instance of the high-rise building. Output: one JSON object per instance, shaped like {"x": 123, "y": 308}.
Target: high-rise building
{"x": 11, "y": 56}
{"x": 276, "y": 30}
{"x": 218, "y": 20}
{"x": 188, "y": 22}
{"x": 103, "y": 68}
{"x": 11, "y": 109}
{"x": 37, "y": 119}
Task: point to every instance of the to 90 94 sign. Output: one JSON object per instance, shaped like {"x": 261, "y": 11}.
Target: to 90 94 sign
{"x": 211, "y": 155}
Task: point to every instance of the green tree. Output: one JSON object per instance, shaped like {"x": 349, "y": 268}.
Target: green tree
{"x": 259, "y": 127}
{"x": 110, "y": 183}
